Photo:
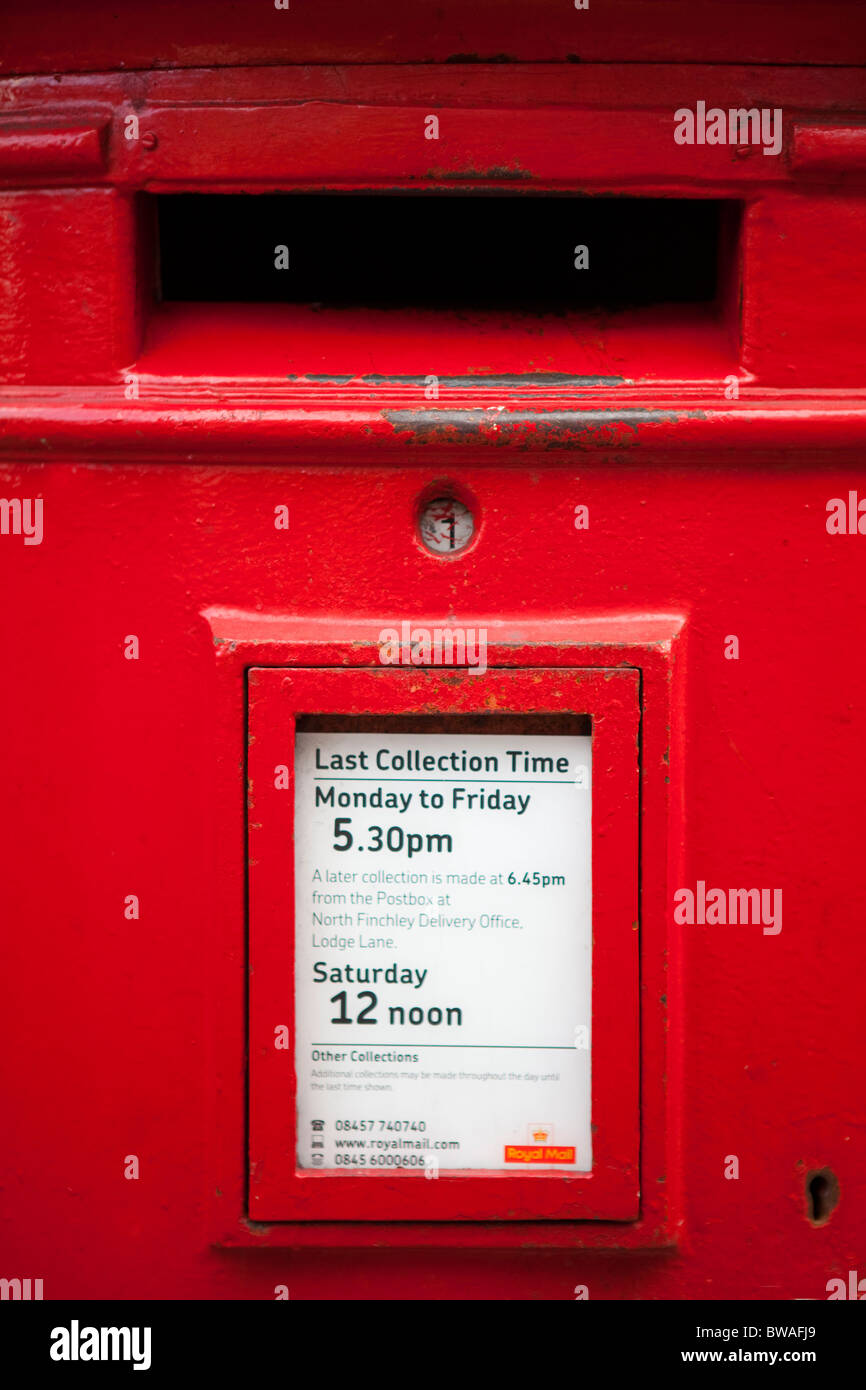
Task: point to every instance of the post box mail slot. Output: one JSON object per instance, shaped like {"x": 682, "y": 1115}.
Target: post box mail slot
{"x": 443, "y": 945}
{"x": 435, "y": 250}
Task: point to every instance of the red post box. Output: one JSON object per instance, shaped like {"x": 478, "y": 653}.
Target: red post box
{"x": 433, "y": 526}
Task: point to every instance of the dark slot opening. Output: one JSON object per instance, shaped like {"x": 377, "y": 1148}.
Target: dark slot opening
{"x": 442, "y": 251}
{"x": 513, "y": 724}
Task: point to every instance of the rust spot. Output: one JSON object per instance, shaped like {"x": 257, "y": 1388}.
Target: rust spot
{"x": 499, "y": 173}
{"x": 476, "y": 58}
{"x": 255, "y": 1228}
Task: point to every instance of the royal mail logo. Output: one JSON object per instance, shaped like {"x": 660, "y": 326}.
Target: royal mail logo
{"x": 539, "y": 1153}
{"x": 539, "y": 1132}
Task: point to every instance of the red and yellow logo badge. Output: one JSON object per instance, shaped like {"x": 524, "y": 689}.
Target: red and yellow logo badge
{"x": 539, "y": 1153}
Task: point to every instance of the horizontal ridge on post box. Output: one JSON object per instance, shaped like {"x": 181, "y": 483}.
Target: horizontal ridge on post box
{"x": 829, "y": 149}
{"x": 56, "y": 147}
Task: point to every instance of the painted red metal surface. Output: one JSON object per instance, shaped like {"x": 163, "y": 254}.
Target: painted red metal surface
{"x": 216, "y": 34}
{"x": 160, "y": 439}
{"x": 363, "y": 129}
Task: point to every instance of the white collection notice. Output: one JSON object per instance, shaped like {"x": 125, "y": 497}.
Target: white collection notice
{"x": 443, "y": 951}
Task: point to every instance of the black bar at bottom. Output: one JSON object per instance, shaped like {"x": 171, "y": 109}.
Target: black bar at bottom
{"x": 253, "y": 1340}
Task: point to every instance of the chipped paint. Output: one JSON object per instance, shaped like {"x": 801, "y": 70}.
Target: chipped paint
{"x": 552, "y": 429}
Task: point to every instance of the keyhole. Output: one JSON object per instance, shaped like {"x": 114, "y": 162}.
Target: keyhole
{"x": 446, "y": 525}
{"x": 822, "y": 1195}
